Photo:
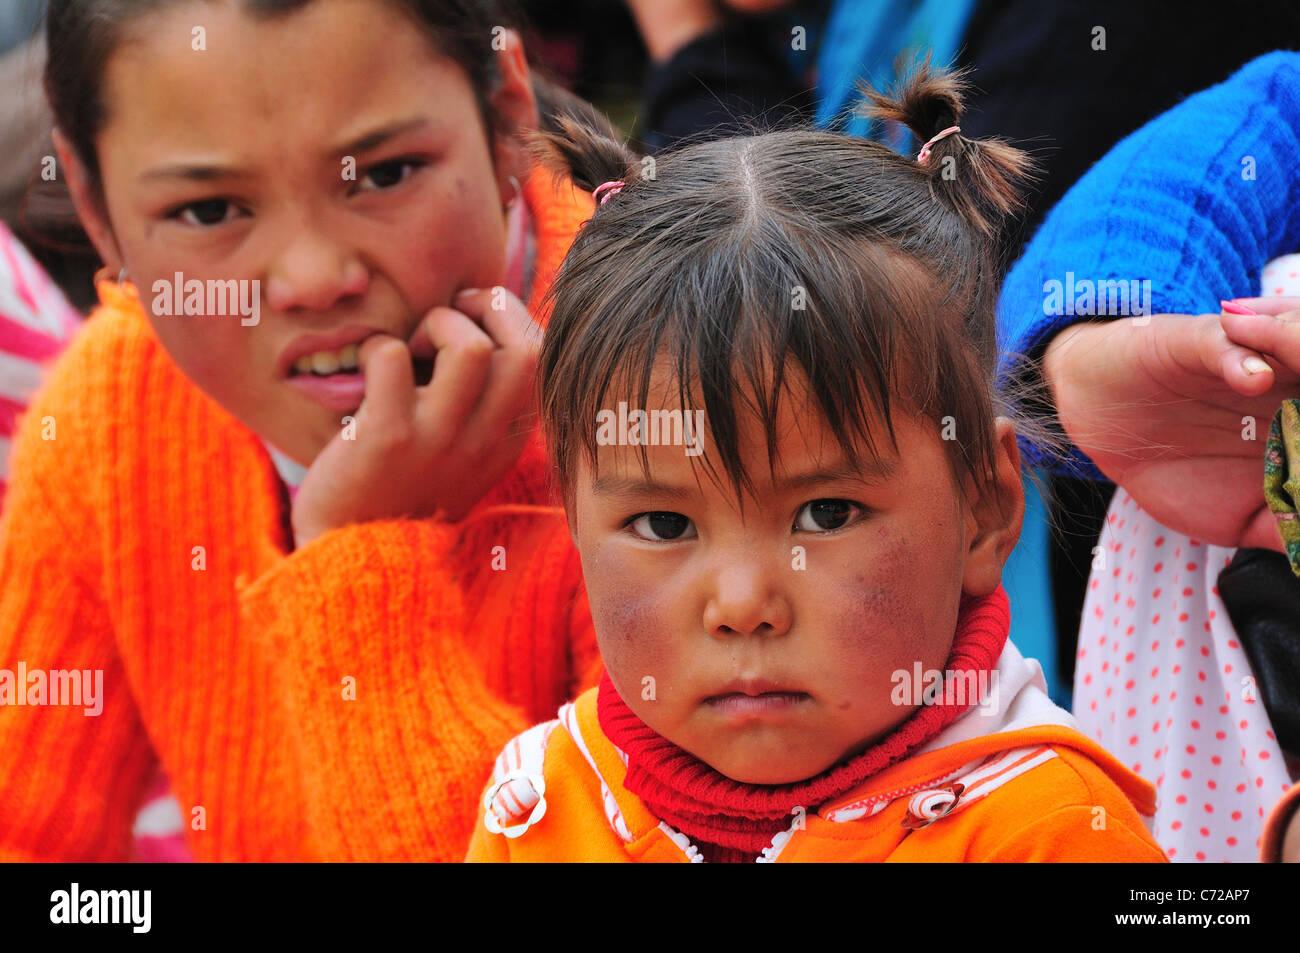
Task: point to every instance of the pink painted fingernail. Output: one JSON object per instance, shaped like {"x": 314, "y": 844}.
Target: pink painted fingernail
{"x": 1231, "y": 307}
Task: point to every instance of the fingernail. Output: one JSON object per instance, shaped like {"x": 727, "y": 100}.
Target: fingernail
{"x": 467, "y": 291}
{"x": 1253, "y": 365}
{"x": 1231, "y": 307}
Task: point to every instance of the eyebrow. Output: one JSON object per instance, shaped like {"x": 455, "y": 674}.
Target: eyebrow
{"x": 623, "y": 487}
{"x": 879, "y": 470}
{"x": 871, "y": 471}
{"x": 195, "y": 173}
{"x": 362, "y": 144}
{"x": 376, "y": 138}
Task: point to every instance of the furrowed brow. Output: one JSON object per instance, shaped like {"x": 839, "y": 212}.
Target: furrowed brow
{"x": 376, "y": 138}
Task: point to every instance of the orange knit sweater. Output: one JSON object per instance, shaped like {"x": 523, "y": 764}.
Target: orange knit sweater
{"x": 148, "y": 540}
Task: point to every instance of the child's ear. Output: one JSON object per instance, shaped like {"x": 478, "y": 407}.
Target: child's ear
{"x": 89, "y": 208}
{"x": 994, "y": 517}
{"x": 516, "y": 110}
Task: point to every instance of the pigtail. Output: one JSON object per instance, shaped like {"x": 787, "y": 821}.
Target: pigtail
{"x": 586, "y": 152}
{"x": 982, "y": 179}
{"x": 554, "y": 103}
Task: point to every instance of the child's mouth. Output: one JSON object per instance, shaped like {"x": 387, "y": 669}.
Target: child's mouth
{"x": 342, "y": 360}
{"x": 740, "y": 704}
{"x": 334, "y": 378}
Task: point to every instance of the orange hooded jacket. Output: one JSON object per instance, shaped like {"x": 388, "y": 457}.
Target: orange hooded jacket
{"x": 1012, "y": 781}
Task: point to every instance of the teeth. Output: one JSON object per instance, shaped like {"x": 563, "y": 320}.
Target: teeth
{"x": 325, "y": 363}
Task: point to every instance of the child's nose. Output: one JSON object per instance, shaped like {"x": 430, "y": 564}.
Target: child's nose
{"x": 314, "y": 273}
{"x": 747, "y": 600}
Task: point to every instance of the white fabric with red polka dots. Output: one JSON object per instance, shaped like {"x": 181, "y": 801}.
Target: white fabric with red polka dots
{"x": 1162, "y": 682}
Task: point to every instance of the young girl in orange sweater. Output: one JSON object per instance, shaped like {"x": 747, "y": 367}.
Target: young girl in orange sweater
{"x": 768, "y": 386}
{"x": 305, "y": 202}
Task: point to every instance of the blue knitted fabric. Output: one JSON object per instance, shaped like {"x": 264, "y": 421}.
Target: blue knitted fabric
{"x": 1197, "y": 201}
{"x": 862, "y": 39}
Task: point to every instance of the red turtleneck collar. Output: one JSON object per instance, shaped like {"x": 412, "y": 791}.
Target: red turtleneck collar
{"x": 732, "y": 821}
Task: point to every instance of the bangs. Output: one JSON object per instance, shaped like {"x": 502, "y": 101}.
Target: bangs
{"x": 740, "y": 326}
{"x": 749, "y": 271}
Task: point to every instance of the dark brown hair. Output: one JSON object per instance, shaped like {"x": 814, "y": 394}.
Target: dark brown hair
{"x": 82, "y": 34}
{"x": 700, "y": 263}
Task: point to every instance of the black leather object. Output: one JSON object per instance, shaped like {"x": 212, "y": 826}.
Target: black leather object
{"x": 1262, "y": 596}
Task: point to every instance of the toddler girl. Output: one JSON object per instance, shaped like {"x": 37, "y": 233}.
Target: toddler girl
{"x": 803, "y": 627}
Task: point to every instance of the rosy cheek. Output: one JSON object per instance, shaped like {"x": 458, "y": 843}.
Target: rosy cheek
{"x": 886, "y": 619}
{"x": 882, "y": 640}
{"x": 635, "y": 625}
{"x": 202, "y": 349}
{"x": 626, "y": 631}
{"x": 876, "y": 600}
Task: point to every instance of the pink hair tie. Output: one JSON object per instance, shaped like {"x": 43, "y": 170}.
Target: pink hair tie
{"x": 614, "y": 189}
{"x": 923, "y": 157}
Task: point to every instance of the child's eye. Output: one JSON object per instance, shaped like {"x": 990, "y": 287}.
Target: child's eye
{"x": 662, "y": 527}
{"x": 206, "y": 213}
{"x": 820, "y": 516}
{"x": 388, "y": 174}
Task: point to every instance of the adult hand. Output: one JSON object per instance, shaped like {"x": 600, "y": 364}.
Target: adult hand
{"x": 668, "y": 25}
{"x": 433, "y": 450}
{"x": 1176, "y": 410}
{"x": 1291, "y": 841}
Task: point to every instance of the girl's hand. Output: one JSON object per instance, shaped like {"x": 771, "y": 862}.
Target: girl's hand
{"x": 433, "y": 450}
{"x": 1177, "y": 411}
